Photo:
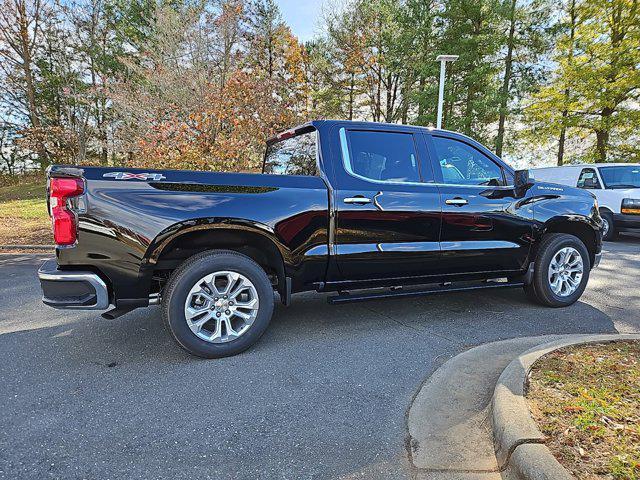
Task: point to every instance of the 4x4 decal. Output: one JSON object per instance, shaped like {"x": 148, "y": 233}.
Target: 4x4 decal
{"x": 134, "y": 176}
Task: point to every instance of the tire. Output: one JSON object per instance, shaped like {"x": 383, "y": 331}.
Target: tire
{"x": 609, "y": 232}
{"x": 540, "y": 290}
{"x": 188, "y": 281}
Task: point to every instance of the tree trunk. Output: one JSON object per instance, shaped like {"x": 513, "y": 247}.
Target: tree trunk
{"x": 351, "y": 87}
{"x": 468, "y": 113}
{"x": 421, "y": 83}
{"x": 378, "y": 106}
{"x": 270, "y": 59}
{"x": 506, "y": 82}
{"x": 602, "y": 141}
{"x": 27, "y": 69}
{"x": 379, "y": 72}
{"x": 404, "y": 105}
{"x": 388, "y": 111}
{"x": 561, "y": 140}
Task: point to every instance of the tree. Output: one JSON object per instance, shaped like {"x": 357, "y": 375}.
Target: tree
{"x": 20, "y": 33}
{"x": 609, "y": 67}
{"x": 372, "y": 58}
{"x": 13, "y": 158}
{"x": 201, "y": 83}
{"x": 470, "y": 27}
{"x": 419, "y": 39}
{"x": 597, "y": 85}
{"x": 188, "y": 103}
{"x": 275, "y": 55}
{"x": 343, "y": 63}
{"x": 570, "y": 41}
{"x": 529, "y": 36}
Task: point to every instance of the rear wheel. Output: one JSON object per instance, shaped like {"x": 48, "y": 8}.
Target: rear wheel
{"x": 218, "y": 303}
{"x": 561, "y": 271}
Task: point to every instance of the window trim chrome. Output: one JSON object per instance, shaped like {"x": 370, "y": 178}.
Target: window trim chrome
{"x": 484, "y": 187}
{"x": 346, "y": 161}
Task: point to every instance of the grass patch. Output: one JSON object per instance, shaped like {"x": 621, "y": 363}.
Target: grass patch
{"x": 586, "y": 400}
{"x": 22, "y": 188}
{"x": 23, "y": 212}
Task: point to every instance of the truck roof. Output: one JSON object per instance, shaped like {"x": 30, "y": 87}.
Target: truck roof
{"x": 308, "y": 126}
{"x": 584, "y": 165}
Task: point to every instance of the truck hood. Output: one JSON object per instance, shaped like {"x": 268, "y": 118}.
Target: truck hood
{"x": 548, "y": 188}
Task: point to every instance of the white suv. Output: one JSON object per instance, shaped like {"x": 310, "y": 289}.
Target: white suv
{"x": 615, "y": 185}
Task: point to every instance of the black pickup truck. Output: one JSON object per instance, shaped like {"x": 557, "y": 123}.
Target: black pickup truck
{"x": 366, "y": 210}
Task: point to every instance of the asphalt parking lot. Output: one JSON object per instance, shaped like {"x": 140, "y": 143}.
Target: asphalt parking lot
{"x": 323, "y": 395}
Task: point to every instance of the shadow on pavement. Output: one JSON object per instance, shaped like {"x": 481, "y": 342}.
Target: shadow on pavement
{"x": 462, "y": 319}
{"x": 104, "y": 394}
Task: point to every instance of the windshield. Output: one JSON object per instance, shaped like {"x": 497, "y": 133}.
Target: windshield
{"x": 621, "y": 177}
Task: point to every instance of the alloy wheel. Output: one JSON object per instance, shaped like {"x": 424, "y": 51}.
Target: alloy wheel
{"x": 565, "y": 271}
{"x": 221, "y": 306}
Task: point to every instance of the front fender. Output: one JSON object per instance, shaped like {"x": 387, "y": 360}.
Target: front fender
{"x": 562, "y": 209}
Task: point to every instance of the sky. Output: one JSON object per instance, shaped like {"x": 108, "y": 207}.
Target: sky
{"x": 302, "y": 16}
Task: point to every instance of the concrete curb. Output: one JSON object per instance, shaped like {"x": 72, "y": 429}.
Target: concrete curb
{"x": 518, "y": 442}
{"x": 449, "y": 420}
{"x": 35, "y": 248}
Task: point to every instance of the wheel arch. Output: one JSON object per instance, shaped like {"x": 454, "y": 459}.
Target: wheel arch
{"x": 604, "y": 208}
{"x": 578, "y": 228}
{"x": 185, "y": 239}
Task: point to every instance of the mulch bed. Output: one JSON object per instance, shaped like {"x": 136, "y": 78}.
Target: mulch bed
{"x": 586, "y": 400}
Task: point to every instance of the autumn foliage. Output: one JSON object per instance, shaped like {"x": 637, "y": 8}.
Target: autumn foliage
{"x": 202, "y": 84}
{"x": 226, "y": 132}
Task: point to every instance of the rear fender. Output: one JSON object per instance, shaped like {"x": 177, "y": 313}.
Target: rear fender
{"x": 179, "y": 231}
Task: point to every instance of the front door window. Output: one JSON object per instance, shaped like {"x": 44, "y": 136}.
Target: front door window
{"x": 461, "y": 164}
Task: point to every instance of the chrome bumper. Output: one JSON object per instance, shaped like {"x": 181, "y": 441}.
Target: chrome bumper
{"x": 70, "y": 289}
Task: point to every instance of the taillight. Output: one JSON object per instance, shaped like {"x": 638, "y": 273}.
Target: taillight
{"x": 64, "y": 221}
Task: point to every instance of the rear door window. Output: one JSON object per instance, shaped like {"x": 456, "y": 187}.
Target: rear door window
{"x": 293, "y": 156}
{"x": 380, "y": 156}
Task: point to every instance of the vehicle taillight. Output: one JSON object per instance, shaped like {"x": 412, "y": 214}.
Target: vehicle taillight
{"x": 63, "y": 220}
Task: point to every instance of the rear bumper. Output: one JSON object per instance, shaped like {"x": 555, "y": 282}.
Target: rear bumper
{"x": 624, "y": 221}
{"x": 71, "y": 289}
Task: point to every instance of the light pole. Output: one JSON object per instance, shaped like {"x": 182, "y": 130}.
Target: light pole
{"x": 443, "y": 59}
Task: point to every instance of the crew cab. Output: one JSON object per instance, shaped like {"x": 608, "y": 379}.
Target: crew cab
{"x": 366, "y": 210}
{"x": 616, "y": 186}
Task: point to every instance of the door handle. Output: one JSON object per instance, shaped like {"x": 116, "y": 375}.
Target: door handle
{"x": 357, "y": 200}
{"x": 458, "y": 202}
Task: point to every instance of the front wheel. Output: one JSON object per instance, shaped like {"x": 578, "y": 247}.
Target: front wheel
{"x": 608, "y": 228}
{"x": 561, "y": 271}
{"x": 218, "y": 303}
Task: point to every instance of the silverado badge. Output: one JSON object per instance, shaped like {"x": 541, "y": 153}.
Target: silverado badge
{"x": 135, "y": 176}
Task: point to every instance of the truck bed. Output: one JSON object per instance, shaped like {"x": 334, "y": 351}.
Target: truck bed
{"x": 130, "y": 216}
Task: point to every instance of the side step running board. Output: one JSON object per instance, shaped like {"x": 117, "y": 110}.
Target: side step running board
{"x": 395, "y": 293}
